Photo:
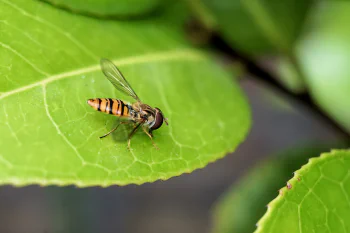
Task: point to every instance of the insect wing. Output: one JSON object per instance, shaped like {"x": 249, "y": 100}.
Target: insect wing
{"x": 117, "y": 79}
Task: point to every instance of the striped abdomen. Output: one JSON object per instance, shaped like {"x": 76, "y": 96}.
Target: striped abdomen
{"x": 110, "y": 106}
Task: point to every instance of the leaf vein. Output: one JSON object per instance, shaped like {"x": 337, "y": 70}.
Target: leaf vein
{"x": 160, "y": 56}
{"x": 57, "y": 29}
{"x": 5, "y": 161}
{"x": 58, "y": 129}
{"x": 5, "y": 46}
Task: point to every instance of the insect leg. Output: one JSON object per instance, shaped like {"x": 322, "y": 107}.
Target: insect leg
{"x": 151, "y": 137}
{"x": 120, "y": 123}
{"x": 133, "y": 132}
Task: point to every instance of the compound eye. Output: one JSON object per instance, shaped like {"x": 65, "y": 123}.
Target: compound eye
{"x": 158, "y": 121}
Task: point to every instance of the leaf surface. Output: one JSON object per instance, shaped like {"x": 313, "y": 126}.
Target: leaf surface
{"x": 49, "y": 68}
{"x": 316, "y": 199}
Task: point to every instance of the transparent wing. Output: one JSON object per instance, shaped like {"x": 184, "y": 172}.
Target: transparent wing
{"x": 116, "y": 78}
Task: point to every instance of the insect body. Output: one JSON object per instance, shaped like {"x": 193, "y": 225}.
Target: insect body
{"x": 138, "y": 113}
{"x": 111, "y": 106}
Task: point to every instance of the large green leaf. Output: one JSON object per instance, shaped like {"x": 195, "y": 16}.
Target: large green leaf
{"x": 324, "y": 54}
{"x": 49, "y": 68}
{"x": 109, "y": 7}
{"x": 317, "y": 199}
{"x": 256, "y": 26}
{"x": 244, "y": 204}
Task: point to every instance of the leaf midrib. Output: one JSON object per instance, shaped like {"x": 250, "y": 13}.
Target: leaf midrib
{"x": 186, "y": 54}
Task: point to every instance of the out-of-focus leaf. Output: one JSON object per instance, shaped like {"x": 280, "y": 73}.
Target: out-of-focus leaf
{"x": 289, "y": 75}
{"x": 324, "y": 54}
{"x": 121, "y": 8}
{"x": 244, "y": 204}
{"x": 49, "y": 68}
{"x": 256, "y": 27}
{"x": 316, "y": 199}
{"x": 285, "y": 70}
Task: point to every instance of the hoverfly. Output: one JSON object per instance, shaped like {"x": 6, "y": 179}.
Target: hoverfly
{"x": 140, "y": 114}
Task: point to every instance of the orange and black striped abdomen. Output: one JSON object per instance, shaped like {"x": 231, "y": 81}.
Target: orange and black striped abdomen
{"x": 110, "y": 106}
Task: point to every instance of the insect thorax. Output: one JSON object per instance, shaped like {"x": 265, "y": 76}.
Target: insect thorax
{"x": 142, "y": 112}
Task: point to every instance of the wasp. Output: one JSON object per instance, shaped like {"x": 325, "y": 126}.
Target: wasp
{"x": 139, "y": 114}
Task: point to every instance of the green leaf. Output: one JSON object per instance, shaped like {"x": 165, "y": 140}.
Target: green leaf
{"x": 240, "y": 208}
{"x": 316, "y": 199}
{"x": 49, "y": 68}
{"x": 287, "y": 72}
{"x": 121, "y": 8}
{"x": 255, "y": 27}
{"x": 324, "y": 54}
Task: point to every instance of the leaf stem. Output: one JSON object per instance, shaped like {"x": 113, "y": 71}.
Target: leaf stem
{"x": 262, "y": 75}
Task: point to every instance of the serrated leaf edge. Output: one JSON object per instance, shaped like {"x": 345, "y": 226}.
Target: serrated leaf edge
{"x": 290, "y": 183}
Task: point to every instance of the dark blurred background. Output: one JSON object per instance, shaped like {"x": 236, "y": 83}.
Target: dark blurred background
{"x": 182, "y": 204}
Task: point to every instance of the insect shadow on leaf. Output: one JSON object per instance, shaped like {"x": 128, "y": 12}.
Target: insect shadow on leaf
{"x": 123, "y": 131}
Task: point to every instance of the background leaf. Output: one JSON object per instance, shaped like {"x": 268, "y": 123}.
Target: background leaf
{"x": 304, "y": 55}
{"x": 267, "y": 31}
{"x": 324, "y": 55}
{"x": 317, "y": 198}
{"x": 255, "y": 27}
{"x": 49, "y": 68}
{"x": 234, "y": 210}
{"x": 120, "y": 8}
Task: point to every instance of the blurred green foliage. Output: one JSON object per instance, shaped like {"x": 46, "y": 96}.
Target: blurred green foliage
{"x": 307, "y": 41}
{"x": 305, "y": 45}
{"x": 324, "y": 55}
{"x": 259, "y": 27}
{"x": 119, "y": 8}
